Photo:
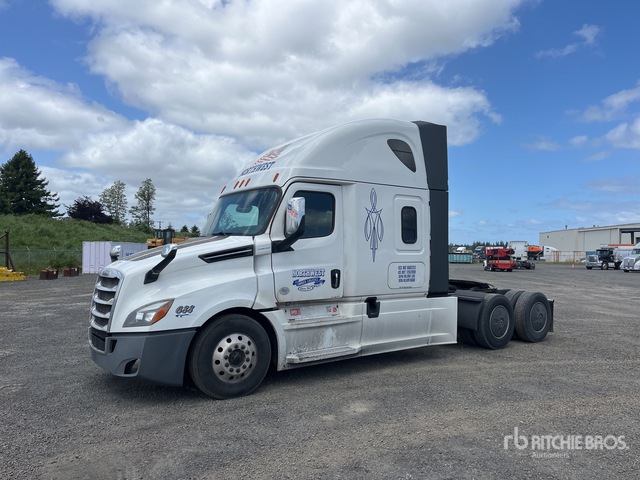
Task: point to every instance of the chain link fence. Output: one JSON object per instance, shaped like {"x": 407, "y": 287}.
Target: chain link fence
{"x": 32, "y": 260}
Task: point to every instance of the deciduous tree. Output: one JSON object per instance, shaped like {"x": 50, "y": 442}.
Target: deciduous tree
{"x": 144, "y": 208}
{"x": 114, "y": 201}
{"x": 84, "y": 208}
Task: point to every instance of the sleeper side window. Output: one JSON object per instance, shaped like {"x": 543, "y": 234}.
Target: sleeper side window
{"x": 319, "y": 213}
{"x": 409, "y": 224}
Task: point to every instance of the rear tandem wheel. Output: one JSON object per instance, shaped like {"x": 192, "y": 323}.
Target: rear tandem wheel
{"x": 496, "y": 322}
{"x": 533, "y": 316}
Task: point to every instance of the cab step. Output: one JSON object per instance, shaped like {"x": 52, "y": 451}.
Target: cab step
{"x": 324, "y": 354}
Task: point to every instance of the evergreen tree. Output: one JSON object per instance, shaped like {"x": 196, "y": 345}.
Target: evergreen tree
{"x": 184, "y": 229}
{"x": 142, "y": 210}
{"x": 23, "y": 190}
{"x": 86, "y": 209}
{"x": 195, "y": 231}
{"x": 5, "y": 207}
{"x": 114, "y": 201}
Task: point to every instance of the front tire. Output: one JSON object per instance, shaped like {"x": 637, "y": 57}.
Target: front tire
{"x": 495, "y": 325}
{"x": 230, "y": 357}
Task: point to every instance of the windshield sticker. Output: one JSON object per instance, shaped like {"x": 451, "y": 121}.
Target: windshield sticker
{"x": 373, "y": 227}
{"x": 307, "y": 279}
{"x": 265, "y": 162}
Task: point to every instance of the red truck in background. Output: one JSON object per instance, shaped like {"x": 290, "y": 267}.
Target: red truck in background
{"x": 500, "y": 259}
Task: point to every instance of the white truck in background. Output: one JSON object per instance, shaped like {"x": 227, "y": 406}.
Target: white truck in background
{"x": 521, "y": 254}
{"x": 328, "y": 247}
{"x": 631, "y": 263}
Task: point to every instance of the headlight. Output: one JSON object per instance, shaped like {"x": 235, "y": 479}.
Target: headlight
{"x": 149, "y": 314}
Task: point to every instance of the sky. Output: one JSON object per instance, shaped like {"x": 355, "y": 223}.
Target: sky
{"x": 541, "y": 98}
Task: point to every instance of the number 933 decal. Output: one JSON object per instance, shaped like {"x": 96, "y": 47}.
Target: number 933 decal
{"x": 184, "y": 310}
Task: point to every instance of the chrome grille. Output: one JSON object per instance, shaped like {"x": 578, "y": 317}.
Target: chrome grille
{"x": 104, "y": 297}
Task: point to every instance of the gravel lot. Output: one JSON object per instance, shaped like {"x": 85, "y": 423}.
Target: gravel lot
{"x": 439, "y": 412}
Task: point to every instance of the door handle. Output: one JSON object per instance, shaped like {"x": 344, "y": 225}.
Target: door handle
{"x": 335, "y": 278}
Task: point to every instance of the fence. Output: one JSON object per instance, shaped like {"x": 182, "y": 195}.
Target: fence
{"x": 558, "y": 256}
{"x": 32, "y": 260}
{"x": 8, "y": 261}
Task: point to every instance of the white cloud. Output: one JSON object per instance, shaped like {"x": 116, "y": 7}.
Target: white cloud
{"x": 587, "y": 35}
{"x": 623, "y": 185}
{"x": 38, "y": 114}
{"x": 613, "y": 106}
{"x": 579, "y": 141}
{"x": 187, "y": 169}
{"x": 219, "y": 81}
{"x": 544, "y": 144}
{"x": 266, "y": 71}
{"x": 625, "y": 135}
{"x": 598, "y": 156}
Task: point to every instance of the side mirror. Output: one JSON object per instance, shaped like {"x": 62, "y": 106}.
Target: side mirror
{"x": 295, "y": 214}
{"x": 115, "y": 252}
{"x": 294, "y": 225}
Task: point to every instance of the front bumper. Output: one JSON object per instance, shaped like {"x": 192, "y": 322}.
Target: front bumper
{"x": 155, "y": 357}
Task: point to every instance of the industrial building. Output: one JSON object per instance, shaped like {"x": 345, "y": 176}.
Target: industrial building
{"x": 587, "y": 239}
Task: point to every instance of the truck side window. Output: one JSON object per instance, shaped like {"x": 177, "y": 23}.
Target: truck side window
{"x": 319, "y": 213}
{"x": 409, "y": 224}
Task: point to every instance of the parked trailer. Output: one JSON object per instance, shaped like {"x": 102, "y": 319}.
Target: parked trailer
{"x": 328, "y": 247}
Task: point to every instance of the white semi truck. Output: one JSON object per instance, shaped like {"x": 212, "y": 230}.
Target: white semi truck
{"x": 631, "y": 263}
{"x": 328, "y": 247}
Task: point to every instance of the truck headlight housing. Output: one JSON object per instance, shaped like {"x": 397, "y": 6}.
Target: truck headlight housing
{"x": 149, "y": 314}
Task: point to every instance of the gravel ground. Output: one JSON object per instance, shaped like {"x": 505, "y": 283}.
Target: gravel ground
{"x": 440, "y": 412}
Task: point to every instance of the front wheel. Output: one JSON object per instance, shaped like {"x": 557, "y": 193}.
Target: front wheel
{"x": 495, "y": 325}
{"x": 604, "y": 266}
{"x": 230, "y": 357}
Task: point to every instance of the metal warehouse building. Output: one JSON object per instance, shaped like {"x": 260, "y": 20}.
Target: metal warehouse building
{"x": 587, "y": 239}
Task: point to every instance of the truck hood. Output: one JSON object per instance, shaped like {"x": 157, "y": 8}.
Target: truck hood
{"x": 192, "y": 253}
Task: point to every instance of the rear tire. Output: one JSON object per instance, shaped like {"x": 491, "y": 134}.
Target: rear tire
{"x": 230, "y": 357}
{"x": 513, "y": 296}
{"x": 496, "y": 322}
{"x": 532, "y": 317}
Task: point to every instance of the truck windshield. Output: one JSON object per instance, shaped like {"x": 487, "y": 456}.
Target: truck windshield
{"x": 244, "y": 213}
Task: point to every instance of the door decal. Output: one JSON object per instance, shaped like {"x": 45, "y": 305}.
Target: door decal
{"x": 307, "y": 279}
{"x": 373, "y": 227}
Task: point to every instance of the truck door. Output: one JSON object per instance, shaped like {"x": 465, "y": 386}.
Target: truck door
{"x": 313, "y": 269}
